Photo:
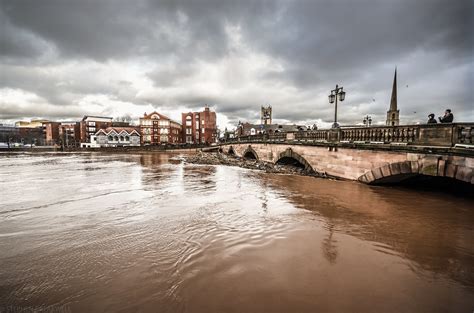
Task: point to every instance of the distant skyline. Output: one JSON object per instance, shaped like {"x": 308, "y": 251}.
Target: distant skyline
{"x": 64, "y": 59}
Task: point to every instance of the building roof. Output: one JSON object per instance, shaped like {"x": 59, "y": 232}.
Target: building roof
{"x": 393, "y": 99}
{"x": 273, "y": 127}
{"x": 160, "y": 116}
{"x": 118, "y": 131}
{"x": 94, "y": 116}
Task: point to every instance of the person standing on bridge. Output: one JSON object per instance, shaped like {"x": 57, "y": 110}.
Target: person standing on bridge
{"x": 431, "y": 119}
{"x": 447, "y": 118}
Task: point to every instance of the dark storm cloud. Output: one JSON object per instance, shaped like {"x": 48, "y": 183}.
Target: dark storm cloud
{"x": 315, "y": 43}
{"x": 108, "y": 29}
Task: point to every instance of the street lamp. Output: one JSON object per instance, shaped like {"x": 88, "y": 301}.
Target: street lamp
{"x": 367, "y": 120}
{"x": 333, "y": 97}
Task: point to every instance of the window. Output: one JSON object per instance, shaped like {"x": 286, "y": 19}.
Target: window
{"x": 110, "y": 138}
{"x": 202, "y": 122}
{"x": 115, "y": 138}
{"x": 197, "y": 136}
{"x": 91, "y": 123}
{"x": 203, "y": 130}
{"x": 197, "y": 124}
{"x": 164, "y": 123}
{"x": 189, "y": 121}
{"x": 146, "y": 122}
{"x": 121, "y": 138}
{"x": 127, "y": 138}
{"x": 164, "y": 138}
{"x": 189, "y": 131}
{"x": 189, "y": 139}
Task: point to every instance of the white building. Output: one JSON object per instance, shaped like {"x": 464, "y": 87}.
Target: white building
{"x": 115, "y": 137}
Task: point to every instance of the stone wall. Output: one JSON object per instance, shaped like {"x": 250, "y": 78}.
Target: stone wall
{"x": 368, "y": 166}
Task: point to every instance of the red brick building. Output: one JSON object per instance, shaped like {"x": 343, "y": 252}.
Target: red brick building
{"x": 69, "y": 134}
{"x": 156, "y": 128}
{"x": 199, "y": 127}
{"x": 51, "y": 130}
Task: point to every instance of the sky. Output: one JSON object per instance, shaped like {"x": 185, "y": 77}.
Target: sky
{"x": 62, "y": 59}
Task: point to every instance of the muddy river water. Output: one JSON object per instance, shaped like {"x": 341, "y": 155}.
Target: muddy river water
{"x": 147, "y": 233}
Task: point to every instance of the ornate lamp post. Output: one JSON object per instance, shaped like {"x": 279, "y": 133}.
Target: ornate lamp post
{"x": 333, "y": 97}
{"x": 367, "y": 121}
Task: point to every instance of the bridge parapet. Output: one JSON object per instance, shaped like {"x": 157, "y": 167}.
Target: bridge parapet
{"x": 443, "y": 135}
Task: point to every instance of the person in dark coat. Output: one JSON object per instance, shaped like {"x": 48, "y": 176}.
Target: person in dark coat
{"x": 431, "y": 119}
{"x": 447, "y": 118}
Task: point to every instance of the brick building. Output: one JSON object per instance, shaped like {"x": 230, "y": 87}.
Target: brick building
{"x": 199, "y": 127}
{"x": 69, "y": 134}
{"x": 156, "y": 128}
{"x": 91, "y": 124}
{"x": 51, "y": 132}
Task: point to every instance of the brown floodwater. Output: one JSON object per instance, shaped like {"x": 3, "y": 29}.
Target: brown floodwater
{"x": 146, "y": 233}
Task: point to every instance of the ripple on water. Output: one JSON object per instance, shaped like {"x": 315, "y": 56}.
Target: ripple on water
{"x": 135, "y": 233}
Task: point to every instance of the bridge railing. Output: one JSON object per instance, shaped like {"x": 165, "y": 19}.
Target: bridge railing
{"x": 428, "y": 134}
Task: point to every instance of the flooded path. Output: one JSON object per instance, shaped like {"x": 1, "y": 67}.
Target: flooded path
{"x": 144, "y": 233}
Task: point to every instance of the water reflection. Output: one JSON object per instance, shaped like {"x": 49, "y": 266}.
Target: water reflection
{"x": 138, "y": 232}
{"x": 330, "y": 245}
{"x": 432, "y": 230}
{"x": 199, "y": 178}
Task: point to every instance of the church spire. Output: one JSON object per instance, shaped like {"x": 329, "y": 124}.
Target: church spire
{"x": 393, "y": 113}
{"x": 393, "y": 100}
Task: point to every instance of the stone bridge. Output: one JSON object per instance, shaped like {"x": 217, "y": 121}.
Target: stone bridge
{"x": 443, "y": 153}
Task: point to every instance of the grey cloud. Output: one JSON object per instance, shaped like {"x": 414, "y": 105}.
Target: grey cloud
{"x": 18, "y": 43}
{"x": 318, "y": 43}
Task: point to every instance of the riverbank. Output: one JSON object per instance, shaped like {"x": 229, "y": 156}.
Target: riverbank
{"x": 215, "y": 158}
{"x": 125, "y": 149}
{"x": 131, "y": 150}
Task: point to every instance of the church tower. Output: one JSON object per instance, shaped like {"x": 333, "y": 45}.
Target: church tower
{"x": 393, "y": 118}
{"x": 266, "y": 115}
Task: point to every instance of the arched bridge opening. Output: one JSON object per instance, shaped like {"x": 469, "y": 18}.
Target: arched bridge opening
{"x": 428, "y": 175}
{"x": 290, "y": 161}
{"x": 250, "y": 154}
{"x": 231, "y": 151}
{"x": 447, "y": 185}
{"x": 291, "y": 158}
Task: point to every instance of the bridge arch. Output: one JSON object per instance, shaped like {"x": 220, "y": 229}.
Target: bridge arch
{"x": 291, "y": 157}
{"x": 250, "y": 153}
{"x": 401, "y": 171}
{"x": 231, "y": 151}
